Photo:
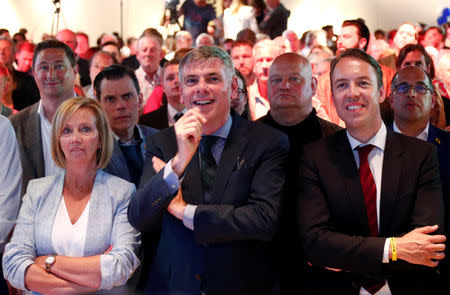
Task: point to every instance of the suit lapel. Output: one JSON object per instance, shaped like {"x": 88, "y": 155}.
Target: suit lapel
{"x": 34, "y": 142}
{"x": 350, "y": 175}
{"x": 390, "y": 178}
{"x": 232, "y": 151}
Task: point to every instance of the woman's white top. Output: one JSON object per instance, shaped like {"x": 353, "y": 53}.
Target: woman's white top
{"x": 243, "y": 19}
{"x": 69, "y": 239}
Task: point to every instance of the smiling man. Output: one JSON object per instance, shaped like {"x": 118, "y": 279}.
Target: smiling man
{"x": 371, "y": 207}
{"x": 218, "y": 195}
{"x": 54, "y": 69}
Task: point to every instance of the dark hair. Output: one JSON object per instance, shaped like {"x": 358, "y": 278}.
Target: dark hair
{"x": 173, "y": 61}
{"x": 411, "y": 48}
{"x": 115, "y": 72}
{"x": 440, "y": 31}
{"x": 102, "y": 52}
{"x": 110, "y": 43}
{"x": 248, "y": 35}
{"x": 241, "y": 43}
{"x": 180, "y": 53}
{"x": 363, "y": 30}
{"x": 359, "y": 54}
{"x": 27, "y": 46}
{"x": 50, "y": 44}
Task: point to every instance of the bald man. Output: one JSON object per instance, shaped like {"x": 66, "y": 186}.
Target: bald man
{"x": 70, "y": 39}
{"x": 290, "y": 88}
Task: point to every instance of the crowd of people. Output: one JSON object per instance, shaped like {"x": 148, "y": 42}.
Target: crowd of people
{"x": 230, "y": 158}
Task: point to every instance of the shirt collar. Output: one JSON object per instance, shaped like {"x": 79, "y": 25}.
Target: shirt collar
{"x": 41, "y": 112}
{"x": 137, "y": 137}
{"x": 379, "y": 140}
{"x": 423, "y": 135}
{"x": 223, "y": 131}
{"x": 172, "y": 111}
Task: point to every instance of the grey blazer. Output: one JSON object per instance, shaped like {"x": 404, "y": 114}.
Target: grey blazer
{"x": 107, "y": 225}
{"x": 27, "y": 126}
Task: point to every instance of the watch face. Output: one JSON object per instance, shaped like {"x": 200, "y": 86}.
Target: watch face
{"x": 50, "y": 260}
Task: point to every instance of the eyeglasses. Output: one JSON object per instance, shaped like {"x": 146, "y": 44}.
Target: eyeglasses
{"x": 405, "y": 88}
{"x": 241, "y": 92}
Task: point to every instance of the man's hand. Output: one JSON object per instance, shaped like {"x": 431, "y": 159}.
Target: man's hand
{"x": 177, "y": 206}
{"x": 158, "y": 164}
{"x": 188, "y": 130}
{"x": 329, "y": 268}
{"x": 419, "y": 247}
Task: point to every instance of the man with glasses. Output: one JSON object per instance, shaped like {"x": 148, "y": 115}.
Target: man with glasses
{"x": 412, "y": 100}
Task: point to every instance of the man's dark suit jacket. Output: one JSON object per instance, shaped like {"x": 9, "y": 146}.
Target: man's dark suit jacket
{"x": 333, "y": 220}
{"x": 157, "y": 119}
{"x": 229, "y": 251}
{"x": 26, "y": 92}
{"x": 117, "y": 166}
{"x": 27, "y": 126}
{"x": 441, "y": 139}
{"x": 83, "y": 70}
{"x": 287, "y": 244}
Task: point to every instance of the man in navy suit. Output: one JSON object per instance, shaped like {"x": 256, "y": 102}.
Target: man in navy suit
{"x": 218, "y": 196}
{"x": 117, "y": 89}
{"x": 371, "y": 210}
{"x": 412, "y": 99}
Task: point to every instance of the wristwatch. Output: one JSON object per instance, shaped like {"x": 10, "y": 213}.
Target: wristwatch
{"x": 49, "y": 261}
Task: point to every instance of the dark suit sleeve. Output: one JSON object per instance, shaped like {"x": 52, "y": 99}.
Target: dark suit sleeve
{"x": 326, "y": 244}
{"x": 257, "y": 218}
{"x": 429, "y": 204}
{"x": 149, "y": 203}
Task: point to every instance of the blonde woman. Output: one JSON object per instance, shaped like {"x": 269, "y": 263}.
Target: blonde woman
{"x": 237, "y": 17}
{"x": 72, "y": 235}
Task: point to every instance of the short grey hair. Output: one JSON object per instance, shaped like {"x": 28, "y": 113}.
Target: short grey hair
{"x": 203, "y": 35}
{"x": 207, "y": 54}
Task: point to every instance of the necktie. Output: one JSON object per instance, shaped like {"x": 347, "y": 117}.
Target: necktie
{"x": 370, "y": 199}
{"x": 135, "y": 161}
{"x": 208, "y": 165}
{"x": 369, "y": 188}
{"x": 177, "y": 116}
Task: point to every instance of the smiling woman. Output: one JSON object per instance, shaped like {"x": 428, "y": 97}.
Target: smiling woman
{"x": 64, "y": 236}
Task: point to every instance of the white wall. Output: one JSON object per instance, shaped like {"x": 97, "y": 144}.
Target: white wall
{"x": 98, "y": 16}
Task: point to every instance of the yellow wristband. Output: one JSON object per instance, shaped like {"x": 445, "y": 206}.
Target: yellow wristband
{"x": 394, "y": 249}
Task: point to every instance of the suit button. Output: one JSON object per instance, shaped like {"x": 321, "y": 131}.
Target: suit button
{"x": 198, "y": 277}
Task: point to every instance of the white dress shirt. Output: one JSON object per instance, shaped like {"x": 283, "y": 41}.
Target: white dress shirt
{"x": 423, "y": 135}
{"x": 375, "y": 159}
{"x": 46, "y": 133}
{"x": 69, "y": 239}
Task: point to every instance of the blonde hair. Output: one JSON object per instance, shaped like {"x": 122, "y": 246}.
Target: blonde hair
{"x": 64, "y": 113}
